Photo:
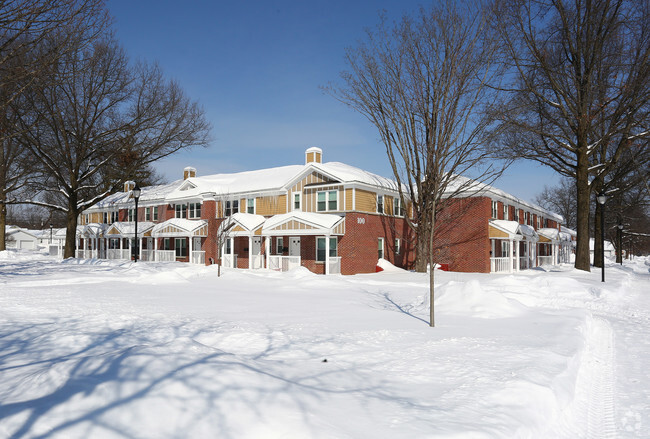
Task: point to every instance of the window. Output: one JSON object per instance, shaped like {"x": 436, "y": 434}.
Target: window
{"x": 380, "y": 248}
{"x": 195, "y": 210}
{"x": 321, "y": 248}
{"x": 87, "y": 219}
{"x": 114, "y": 217}
{"x": 228, "y": 246}
{"x": 505, "y": 248}
{"x": 279, "y": 246}
{"x": 105, "y": 217}
{"x": 155, "y": 213}
{"x": 166, "y": 244}
{"x": 380, "y": 204}
{"x": 131, "y": 215}
{"x": 231, "y": 207}
{"x": 527, "y": 218}
{"x": 327, "y": 200}
{"x": 250, "y": 205}
{"x": 505, "y": 211}
{"x": 180, "y": 244}
{"x": 516, "y": 214}
{"x": 296, "y": 201}
{"x": 147, "y": 213}
{"x": 494, "y": 209}
{"x": 181, "y": 211}
{"x": 397, "y": 246}
{"x": 398, "y": 210}
{"x": 539, "y": 220}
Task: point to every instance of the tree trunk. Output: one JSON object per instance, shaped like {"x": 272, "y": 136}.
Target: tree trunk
{"x": 431, "y": 267}
{"x": 583, "y": 192}
{"x": 3, "y": 221}
{"x": 71, "y": 227}
{"x": 598, "y": 241}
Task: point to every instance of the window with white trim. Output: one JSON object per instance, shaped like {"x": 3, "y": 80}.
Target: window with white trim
{"x": 516, "y": 214}
{"x": 131, "y": 215}
{"x": 380, "y": 203}
{"x": 115, "y": 216}
{"x": 250, "y": 205}
{"x": 397, "y": 246}
{"x": 495, "y": 209}
{"x": 505, "y": 211}
{"x": 180, "y": 246}
{"x": 296, "y": 200}
{"x": 321, "y": 248}
{"x": 181, "y": 211}
{"x": 105, "y": 217}
{"x": 327, "y": 201}
{"x": 228, "y": 246}
{"x": 505, "y": 248}
{"x": 279, "y": 245}
{"x": 232, "y": 207}
{"x": 147, "y": 213}
{"x": 527, "y": 218}
{"x": 195, "y": 210}
{"x": 166, "y": 243}
{"x": 155, "y": 213}
{"x": 398, "y": 209}
{"x": 539, "y": 222}
{"x": 380, "y": 248}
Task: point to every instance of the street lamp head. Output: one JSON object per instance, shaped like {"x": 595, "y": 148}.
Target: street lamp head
{"x": 620, "y": 226}
{"x": 602, "y": 198}
{"x": 136, "y": 191}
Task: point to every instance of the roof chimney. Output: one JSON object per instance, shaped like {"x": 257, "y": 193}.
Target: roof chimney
{"x": 189, "y": 172}
{"x": 314, "y": 154}
{"x": 129, "y": 185}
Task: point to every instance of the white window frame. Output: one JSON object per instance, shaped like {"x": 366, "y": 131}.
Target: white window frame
{"x": 155, "y": 213}
{"x": 194, "y": 210}
{"x": 516, "y": 214}
{"x": 495, "y": 209}
{"x": 505, "y": 212}
{"x": 105, "y": 217}
{"x": 297, "y": 196}
{"x": 248, "y": 205}
{"x": 177, "y": 247}
{"x": 398, "y": 210}
{"x": 398, "y": 246}
{"x": 380, "y": 204}
{"x": 328, "y": 201}
{"x": 381, "y": 248}
{"x": 505, "y": 250}
{"x": 279, "y": 245}
{"x": 130, "y": 215}
{"x": 179, "y": 209}
{"x": 147, "y": 213}
{"x": 328, "y": 247}
{"x": 539, "y": 222}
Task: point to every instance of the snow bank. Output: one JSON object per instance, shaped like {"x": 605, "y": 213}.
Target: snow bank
{"x": 471, "y": 299}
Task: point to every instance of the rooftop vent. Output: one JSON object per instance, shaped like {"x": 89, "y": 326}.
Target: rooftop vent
{"x": 314, "y": 154}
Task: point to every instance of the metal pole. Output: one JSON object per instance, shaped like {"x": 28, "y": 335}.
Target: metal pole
{"x": 135, "y": 257}
{"x": 602, "y": 239}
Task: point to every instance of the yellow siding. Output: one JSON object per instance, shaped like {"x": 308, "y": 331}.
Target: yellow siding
{"x": 388, "y": 205}
{"x": 267, "y": 206}
{"x": 349, "y": 205}
{"x": 496, "y": 233}
{"x": 366, "y": 201}
{"x": 219, "y": 209}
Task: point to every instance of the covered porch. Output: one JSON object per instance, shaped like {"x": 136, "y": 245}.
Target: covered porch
{"x": 548, "y": 251}
{"x": 120, "y": 240}
{"x": 179, "y": 239}
{"x": 90, "y": 241}
{"x": 513, "y": 246}
{"x": 240, "y": 241}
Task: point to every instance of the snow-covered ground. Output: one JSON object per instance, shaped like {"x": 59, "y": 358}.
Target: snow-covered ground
{"x": 103, "y": 349}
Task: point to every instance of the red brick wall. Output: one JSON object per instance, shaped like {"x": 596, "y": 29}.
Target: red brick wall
{"x": 461, "y": 239}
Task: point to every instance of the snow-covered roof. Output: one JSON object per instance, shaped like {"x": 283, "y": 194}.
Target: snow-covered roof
{"x": 248, "y": 221}
{"x": 553, "y": 234}
{"x": 183, "y": 224}
{"x": 11, "y": 230}
{"x": 514, "y": 228}
{"x": 320, "y": 222}
{"x": 128, "y": 229}
{"x": 352, "y": 174}
{"x": 148, "y": 193}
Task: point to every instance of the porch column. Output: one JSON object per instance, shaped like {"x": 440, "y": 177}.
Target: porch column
{"x": 232, "y": 253}
{"x": 327, "y": 254}
{"x": 140, "y": 249}
{"x": 510, "y": 255}
{"x": 155, "y": 249}
{"x": 267, "y": 249}
{"x": 517, "y": 266}
{"x": 191, "y": 244}
{"x": 554, "y": 253}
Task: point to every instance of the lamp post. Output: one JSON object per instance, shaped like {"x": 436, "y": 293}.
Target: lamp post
{"x": 619, "y": 244}
{"x": 136, "y": 197}
{"x": 50, "y": 233}
{"x": 602, "y": 198}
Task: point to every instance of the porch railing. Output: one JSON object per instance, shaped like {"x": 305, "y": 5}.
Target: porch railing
{"x": 335, "y": 265}
{"x": 499, "y": 265}
{"x": 198, "y": 257}
{"x": 256, "y": 262}
{"x": 544, "y": 260}
{"x": 283, "y": 263}
{"x": 147, "y": 255}
{"x": 229, "y": 260}
{"x": 116, "y": 253}
{"x": 165, "y": 255}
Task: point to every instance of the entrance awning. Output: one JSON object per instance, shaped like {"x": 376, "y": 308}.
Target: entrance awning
{"x": 242, "y": 224}
{"x": 304, "y": 223}
{"x": 175, "y": 227}
{"x": 127, "y": 230}
{"x": 511, "y": 230}
{"x": 94, "y": 230}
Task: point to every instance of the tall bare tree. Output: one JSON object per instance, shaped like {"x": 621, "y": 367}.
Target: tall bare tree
{"x": 581, "y": 94}
{"x": 100, "y": 122}
{"x": 24, "y": 26}
{"x": 423, "y": 83}
{"x": 560, "y": 199}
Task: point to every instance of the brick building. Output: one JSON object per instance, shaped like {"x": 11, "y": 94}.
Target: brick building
{"x": 327, "y": 217}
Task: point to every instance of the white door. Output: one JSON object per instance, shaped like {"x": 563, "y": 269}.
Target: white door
{"x": 196, "y": 245}
{"x": 294, "y": 246}
{"x": 256, "y": 257}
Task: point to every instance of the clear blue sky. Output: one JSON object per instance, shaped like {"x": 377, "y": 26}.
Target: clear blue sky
{"x": 256, "y": 67}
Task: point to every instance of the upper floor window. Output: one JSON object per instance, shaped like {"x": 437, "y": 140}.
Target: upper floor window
{"x": 539, "y": 221}
{"x": 516, "y": 214}
{"x": 505, "y": 212}
{"x": 155, "y": 213}
{"x": 380, "y": 204}
{"x": 131, "y": 215}
{"x": 105, "y": 217}
{"x": 147, "y": 213}
{"x": 181, "y": 211}
{"x": 327, "y": 200}
{"x": 397, "y": 246}
{"x": 296, "y": 201}
{"x": 250, "y": 205}
{"x": 232, "y": 207}
{"x": 527, "y": 218}
{"x": 494, "y": 209}
{"x": 195, "y": 210}
{"x": 398, "y": 209}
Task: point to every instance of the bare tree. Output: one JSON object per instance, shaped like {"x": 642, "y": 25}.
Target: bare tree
{"x": 581, "y": 96}
{"x": 24, "y": 27}
{"x": 423, "y": 84}
{"x": 560, "y": 199}
{"x": 100, "y": 122}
